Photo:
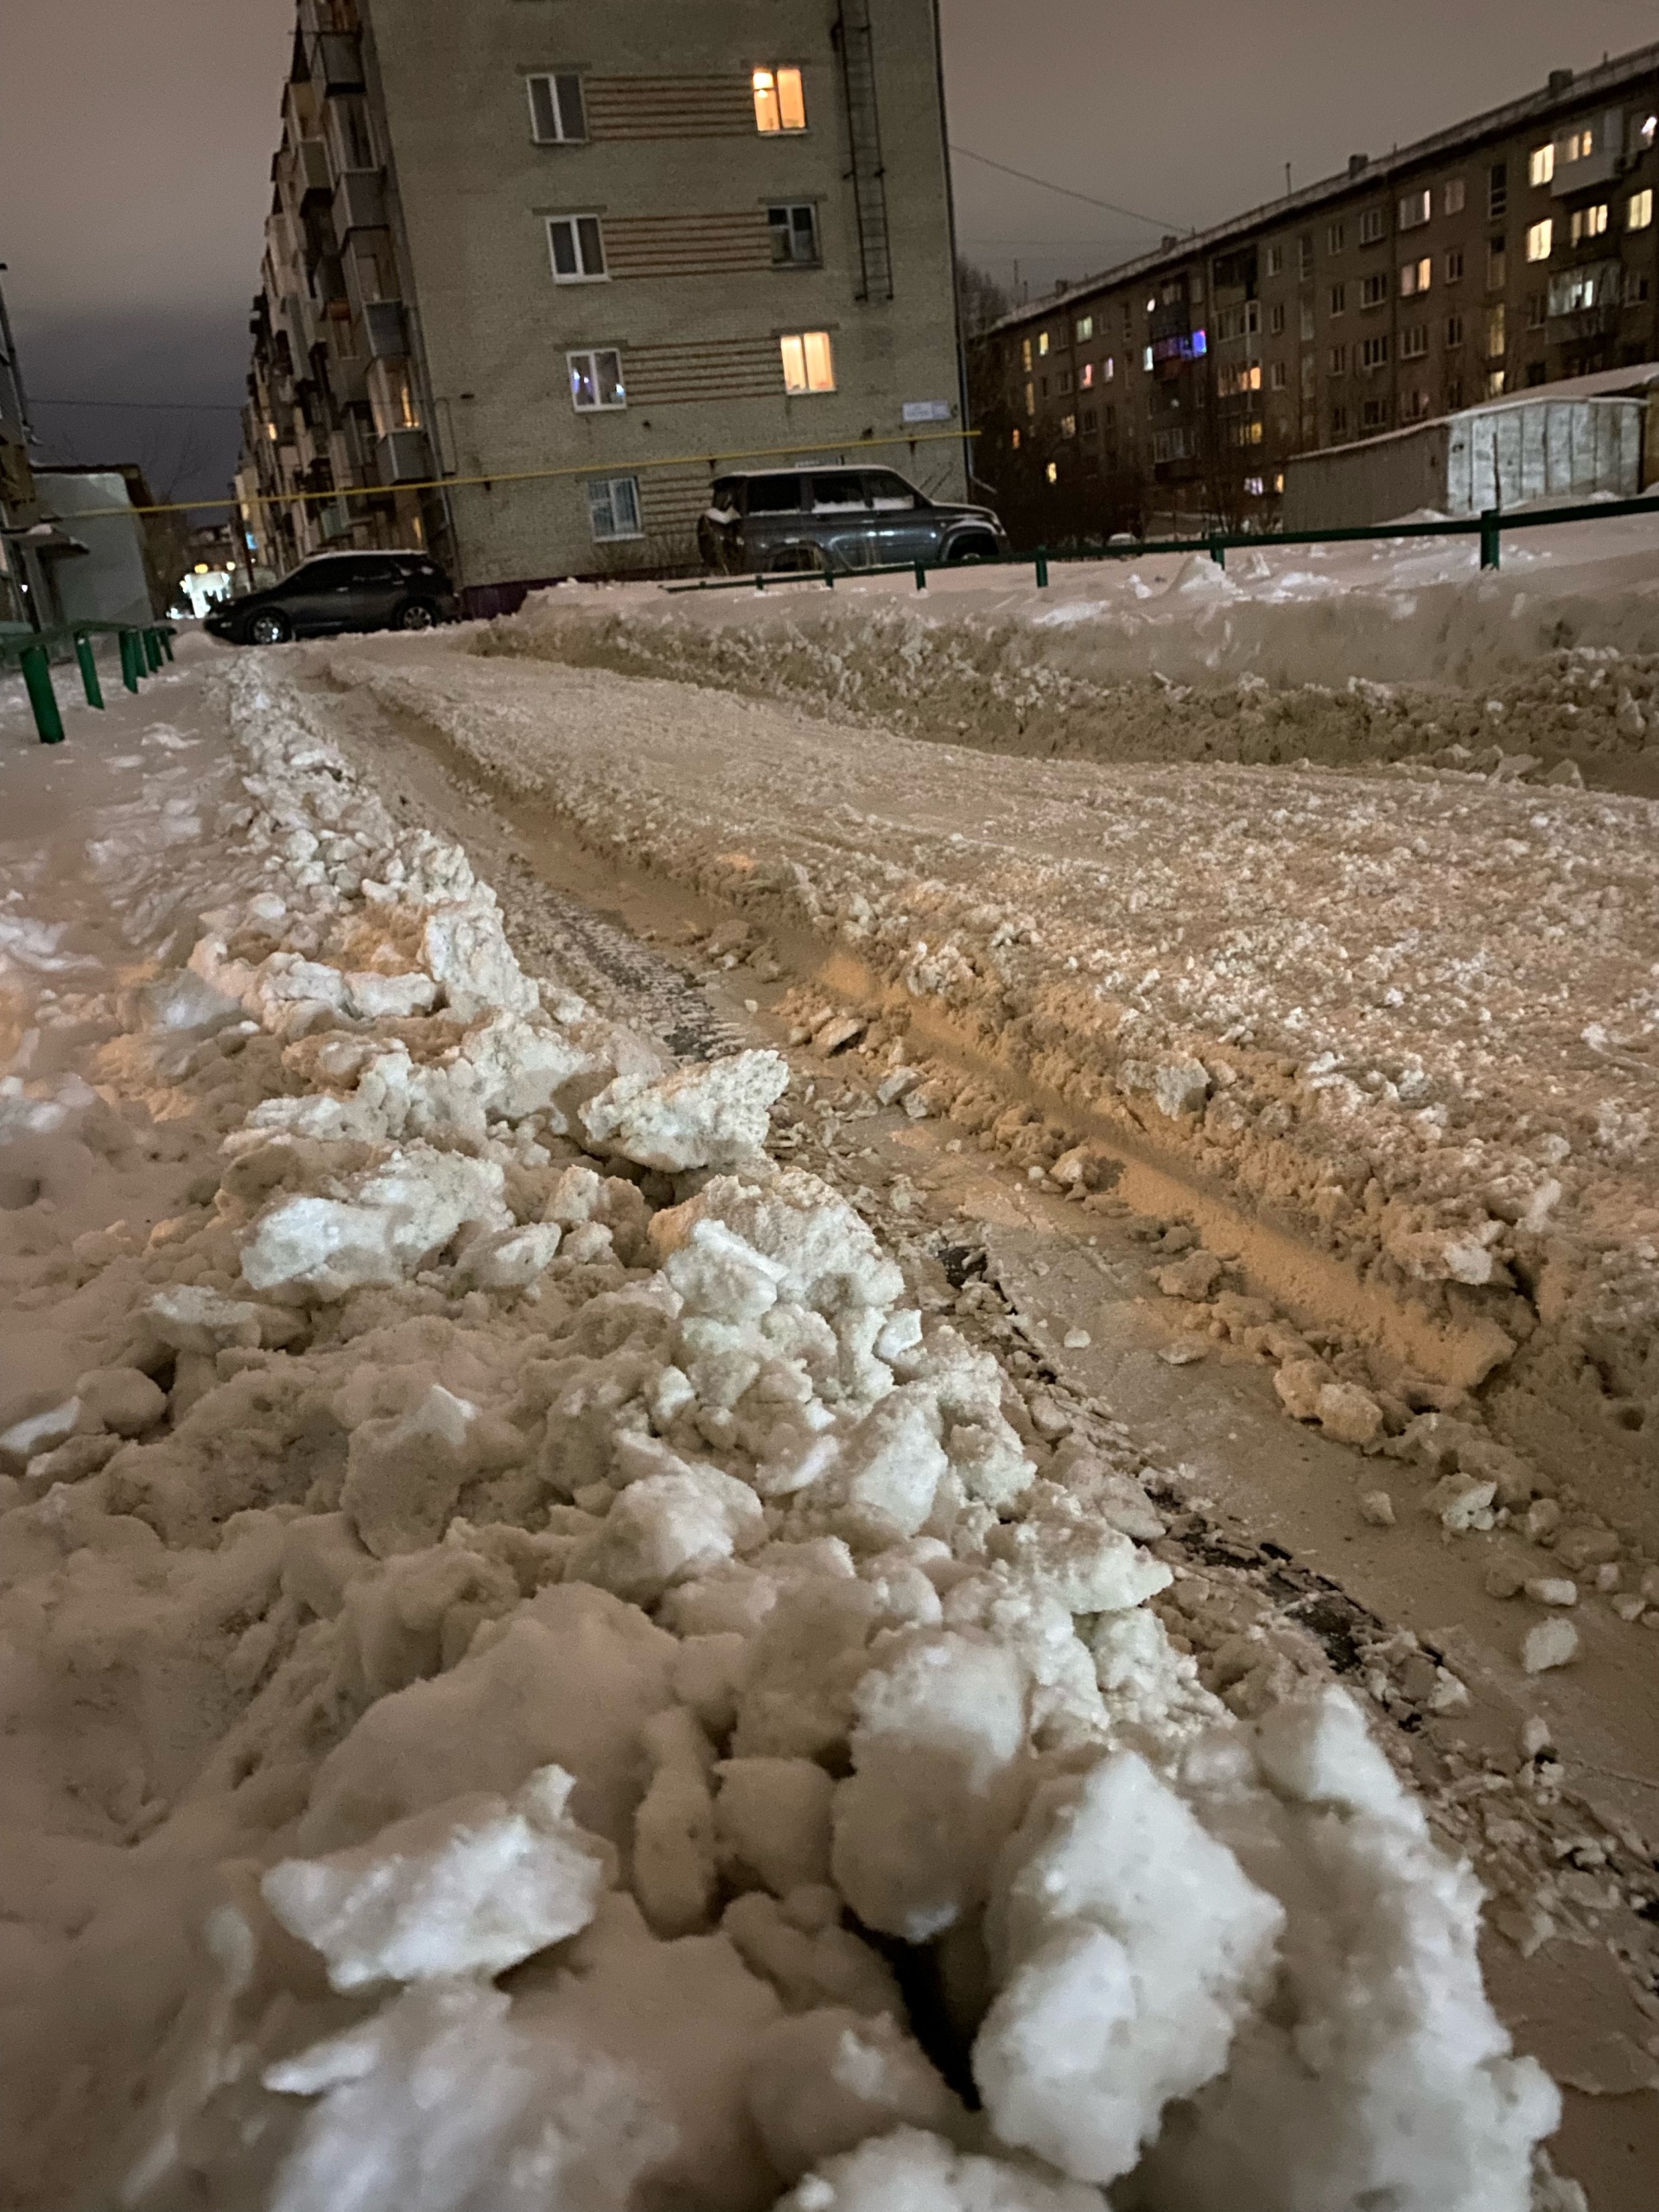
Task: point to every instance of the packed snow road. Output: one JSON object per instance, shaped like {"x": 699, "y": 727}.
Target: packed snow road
{"x": 545, "y": 1667}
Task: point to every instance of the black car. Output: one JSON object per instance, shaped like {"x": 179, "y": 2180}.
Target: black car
{"x": 778, "y": 520}
{"x": 340, "y": 591}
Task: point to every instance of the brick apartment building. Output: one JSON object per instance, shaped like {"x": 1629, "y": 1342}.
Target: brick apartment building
{"x": 515, "y": 237}
{"x": 1517, "y": 249}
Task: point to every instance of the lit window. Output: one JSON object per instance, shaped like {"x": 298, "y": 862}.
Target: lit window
{"x": 1086, "y": 376}
{"x": 779, "y": 103}
{"x": 1025, "y": 355}
{"x": 596, "y": 380}
{"x": 1255, "y": 486}
{"x": 1495, "y": 384}
{"x": 1579, "y": 145}
{"x": 1152, "y": 305}
{"x": 1650, "y": 124}
{"x": 1638, "y": 210}
{"x": 1015, "y": 440}
{"x": 1539, "y": 238}
{"x": 557, "y": 116}
{"x": 1540, "y": 165}
{"x": 576, "y": 248}
{"x": 1452, "y": 198}
{"x": 1416, "y": 276}
{"x": 1068, "y": 426}
{"x": 1496, "y": 334}
{"x": 1146, "y": 357}
{"x": 1110, "y": 366}
{"x": 794, "y": 235}
{"x": 808, "y": 361}
{"x": 1030, "y": 399}
{"x": 1042, "y": 342}
{"x": 1415, "y": 208}
{"x": 1085, "y": 329}
{"x": 1052, "y": 472}
{"x": 613, "y": 507}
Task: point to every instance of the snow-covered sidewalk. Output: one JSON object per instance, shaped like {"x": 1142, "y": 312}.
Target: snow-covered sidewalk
{"x": 537, "y": 1676}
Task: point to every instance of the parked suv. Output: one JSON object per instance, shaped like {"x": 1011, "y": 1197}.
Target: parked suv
{"x": 837, "y": 518}
{"x": 340, "y": 591}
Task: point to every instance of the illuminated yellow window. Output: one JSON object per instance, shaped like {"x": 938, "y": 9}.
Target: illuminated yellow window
{"x": 1589, "y": 222}
{"x": 1042, "y": 342}
{"x": 1638, "y": 212}
{"x": 1025, "y": 354}
{"x": 1030, "y": 399}
{"x": 1416, "y": 276}
{"x": 1540, "y": 165}
{"x": 780, "y": 102}
{"x": 1539, "y": 238}
{"x": 808, "y": 361}
{"x": 1052, "y": 472}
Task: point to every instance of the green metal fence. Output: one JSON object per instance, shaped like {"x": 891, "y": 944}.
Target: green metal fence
{"x": 143, "y": 650}
{"x": 1490, "y": 528}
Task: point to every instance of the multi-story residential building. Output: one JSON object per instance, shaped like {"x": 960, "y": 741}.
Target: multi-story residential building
{"x": 536, "y": 268}
{"x": 1517, "y": 249}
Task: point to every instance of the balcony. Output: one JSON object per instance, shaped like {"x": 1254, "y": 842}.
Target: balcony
{"x": 359, "y": 203}
{"x": 403, "y": 458}
{"x": 384, "y": 331}
{"x": 337, "y": 63}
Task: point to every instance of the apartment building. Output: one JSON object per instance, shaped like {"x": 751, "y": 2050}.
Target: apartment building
{"x": 534, "y": 268}
{"x": 1515, "y": 250}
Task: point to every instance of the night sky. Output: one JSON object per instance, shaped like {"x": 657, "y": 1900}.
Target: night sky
{"x": 136, "y": 138}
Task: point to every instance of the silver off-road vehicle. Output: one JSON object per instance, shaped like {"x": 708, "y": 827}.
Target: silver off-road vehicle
{"x": 781, "y": 521}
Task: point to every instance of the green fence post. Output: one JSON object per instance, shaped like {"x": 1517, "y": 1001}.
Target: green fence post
{"x": 760, "y": 581}
{"x": 152, "y": 652}
{"x": 165, "y": 637}
{"x": 1042, "y": 567}
{"x": 1491, "y": 529}
{"x": 37, "y": 674}
{"x": 88, "y": 669}
{"x": 129, "y": 660}
{"x": 1218, "y": 551}
{"x": 828, "y": 577}
{"x": 921, "y": 576}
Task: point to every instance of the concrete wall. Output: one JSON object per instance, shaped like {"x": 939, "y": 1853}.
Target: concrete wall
{"x": 471, "y": 195}
{"x": 107, "y": 584}
{"x": 1513, "y": 456}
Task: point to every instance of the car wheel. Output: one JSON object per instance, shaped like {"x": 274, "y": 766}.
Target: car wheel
{"x": 269, "y": 629}
{"x": 417, "y": 615}
{"x": 978, "y": 547}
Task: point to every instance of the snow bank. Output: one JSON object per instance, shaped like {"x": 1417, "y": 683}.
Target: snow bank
{"x": 497, "y": 1701}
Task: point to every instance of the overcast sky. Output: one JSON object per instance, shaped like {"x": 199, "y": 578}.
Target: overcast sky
{"x": 136, "y": 138}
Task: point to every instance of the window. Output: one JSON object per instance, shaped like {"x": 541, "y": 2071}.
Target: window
{"x": 1338, "y": 299}
{"x": 1453, "y": 394}
{"x": 1281, "y": 376}
{"x": 1638, "y": 210}
{"x": 1373, "y": 353}
{"x": 613, "y": 507}
{"x": 557, "y": 115}
{"x": 1454, "y": 266}
{"x": 1374, "y": 414}
{"x": 1338, "y": 421}
{"x": 1276, "y": 261}
{"x": 1255, "y": 486}
{"x": 1497, "y": 262}
{"x": 1063, "y": 381}
{"x": 1052, "y": 472}
{"x": 1451, "y": 196}
{"x": 1374, "y": 290}
{"x": 780, "y": 102}
{"x": 1161, "y": 445}
{"x": 1582, "y": 290}
{"x": 1243, "y": 322}
{"x": 1084, "y": 329}
{"x": 1086, "y": 377}
{"x": 596, "y": 380}
{"x": 794, "y": 231}
{"x": 1541, "y": 165}
{"x": 1413, "y": 342}
{"x": 1013, "y": 440}
{"x": 1146, "y": 357}
{"x": 1110, "y": 366}
{"x": 1537, "y": 371}
{"x": 1416, "y": 277}
{"x": 1537, "y": 310}
{"x": 1276, "y": 318}
{"x": 1339, "y": 360}
{"x": 1305, "y": 255}
{"x": 1454, "y": 330}
{"x": 1539, "y": 238}
{"x": 1030, "y": 399}
{"x": 1336, "y": 238}
{"x": 1495, "y": 382}
{"x": 1068, "y": 426}
{"x": 808, "y": 361}
{"x": 1025, "y": 355}
{"x": 1579, "y": 145}
{"x": 1370, "y": 226}
{"x": 1091, "y": 422}
{"x": 1413, "y": 407}
{"x": 391, "y": 398}
{"x": 1304, "y": 322}
{"x": 576, "y": 248}
{"x": 1588, "y": 222}
{"x": 1496, "y": 337}
{"x": 1042, "y": 342}
{"x": 1416, "y": 208}
{"x": 1649, "y": 125}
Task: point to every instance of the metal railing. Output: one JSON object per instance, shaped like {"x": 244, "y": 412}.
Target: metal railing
{"x": 145, "y": 648}
{"x": 1488, "y": 527}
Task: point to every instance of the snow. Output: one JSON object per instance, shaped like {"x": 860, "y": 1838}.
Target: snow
{"x": 482, "y": 1693}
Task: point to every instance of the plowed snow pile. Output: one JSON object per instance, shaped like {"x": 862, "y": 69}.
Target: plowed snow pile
{"x": 1394, "y": 650}
{"x": 536, "y": 1678}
